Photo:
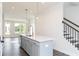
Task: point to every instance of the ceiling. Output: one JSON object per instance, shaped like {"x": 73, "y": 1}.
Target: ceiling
{"x": 17, "y": 9}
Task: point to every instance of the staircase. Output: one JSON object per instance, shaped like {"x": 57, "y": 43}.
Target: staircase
{"x": 71, "y": 32}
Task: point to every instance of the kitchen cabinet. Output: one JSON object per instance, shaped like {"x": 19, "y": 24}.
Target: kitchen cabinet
{"x": 38, "y": 46}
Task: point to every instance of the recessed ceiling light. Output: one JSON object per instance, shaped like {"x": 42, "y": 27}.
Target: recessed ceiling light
{"x": 37, "y": 17}
{"x": 12, "y": 7}
{"x": 42, "y": 2}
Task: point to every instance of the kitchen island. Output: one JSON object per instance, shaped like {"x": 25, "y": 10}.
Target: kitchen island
{"x": 37, "y": 46}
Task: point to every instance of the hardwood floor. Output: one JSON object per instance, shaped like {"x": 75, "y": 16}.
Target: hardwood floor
{"x": 58, "y": 53}
{"x": 11, "y": 47}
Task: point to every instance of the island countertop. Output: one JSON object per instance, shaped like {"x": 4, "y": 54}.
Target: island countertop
{"x": 39, "y": 38}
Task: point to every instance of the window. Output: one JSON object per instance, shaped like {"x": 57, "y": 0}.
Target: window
{"x": 14, "y": 28}
{"x": 7, "y": 27}
{"x": 20, "y": 28}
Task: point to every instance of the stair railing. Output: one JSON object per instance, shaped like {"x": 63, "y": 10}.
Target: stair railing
{"x": 70, "y": 32}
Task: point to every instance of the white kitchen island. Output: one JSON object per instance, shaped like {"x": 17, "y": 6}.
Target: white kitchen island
{"x": 37, "y": 46}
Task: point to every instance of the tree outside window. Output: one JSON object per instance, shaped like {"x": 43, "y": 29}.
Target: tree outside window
{"x": 20, "y": 28}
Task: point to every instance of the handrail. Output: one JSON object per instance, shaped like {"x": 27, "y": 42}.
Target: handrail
{"x": 71, "y": 22}
{"x": 70, "y": 26}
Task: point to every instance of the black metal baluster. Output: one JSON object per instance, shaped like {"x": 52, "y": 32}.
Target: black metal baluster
{"x": 70, "y": 33}
{"x": 64, "y": 27}
{"x": 75, "y": 36}
{"x": 64, "y": 30}
{"x": 66, "y": 33}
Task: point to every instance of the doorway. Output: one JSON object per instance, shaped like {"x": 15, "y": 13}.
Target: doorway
{"x": 13, "y": 29}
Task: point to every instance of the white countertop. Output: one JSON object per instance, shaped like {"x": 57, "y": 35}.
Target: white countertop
{"x": 42, "y": 38}
{"x": 39, "y": 38}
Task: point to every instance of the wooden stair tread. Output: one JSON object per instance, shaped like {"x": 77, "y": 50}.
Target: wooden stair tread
{"x": 77, "y": 45}
{"x": 74, "y": 41}
{"x": 66, "y": 34}
{"x": 69, "y": 37}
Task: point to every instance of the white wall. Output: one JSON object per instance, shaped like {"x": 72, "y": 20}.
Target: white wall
{"x": 71, "y": 12}
{"x": 47, "y": 21}
{"x": 50, "y": 24}
{"x": 0, "y": 19}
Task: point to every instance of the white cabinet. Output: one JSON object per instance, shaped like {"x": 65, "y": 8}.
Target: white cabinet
{"x": 46, "y": 48}
{"x": 36, "y": 48}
